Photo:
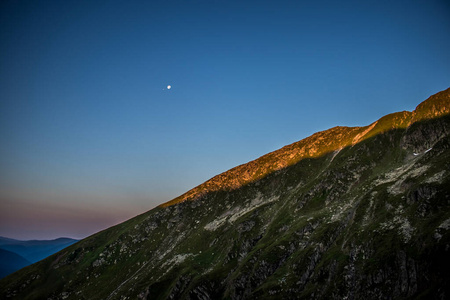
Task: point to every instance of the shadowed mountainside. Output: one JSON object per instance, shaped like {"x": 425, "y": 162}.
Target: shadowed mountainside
{"x": 356, "y": 213}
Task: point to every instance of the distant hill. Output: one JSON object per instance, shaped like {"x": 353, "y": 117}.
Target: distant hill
{"x": 347, "y": 213}
{"x": 35, "y": 250}
{"x": 17, "y": 254}
{"x": 11, "y": 262}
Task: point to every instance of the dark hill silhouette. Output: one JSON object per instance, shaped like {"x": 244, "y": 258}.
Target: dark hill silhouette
{"x": 11, "y": 262}
{"x": 17, "y": 254}
{"x": 35, "y": 250}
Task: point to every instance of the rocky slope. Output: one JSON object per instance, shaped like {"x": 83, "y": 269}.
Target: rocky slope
{"x": 347, "y": 213}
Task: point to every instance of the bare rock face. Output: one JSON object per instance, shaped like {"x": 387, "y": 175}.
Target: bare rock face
{"x": 347, "y": 213}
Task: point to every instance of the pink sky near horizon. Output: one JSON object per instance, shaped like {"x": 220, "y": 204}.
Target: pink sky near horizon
{"x": 25, "y": 218}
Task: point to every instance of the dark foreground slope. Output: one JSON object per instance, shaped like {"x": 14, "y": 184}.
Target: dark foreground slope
{"x": 357, "y": 213}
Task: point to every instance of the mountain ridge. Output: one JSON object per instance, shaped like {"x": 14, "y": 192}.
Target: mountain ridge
{"x": 435, "y": 106}
{"x": 370, "y": 220}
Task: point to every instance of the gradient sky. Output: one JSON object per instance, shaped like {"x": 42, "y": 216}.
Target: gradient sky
{"x": 90, "y": 135}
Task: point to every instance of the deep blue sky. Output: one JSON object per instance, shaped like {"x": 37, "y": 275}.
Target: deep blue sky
{"x": 90, "y": 135}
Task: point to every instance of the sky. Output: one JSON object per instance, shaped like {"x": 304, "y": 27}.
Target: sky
{"x": 91, "y": 136}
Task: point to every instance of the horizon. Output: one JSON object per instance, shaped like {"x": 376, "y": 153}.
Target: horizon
{"x": 60, "y": 238}
{"x": 109, "y": 110}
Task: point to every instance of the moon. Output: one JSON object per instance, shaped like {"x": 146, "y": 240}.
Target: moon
{"x": 169, "y": 87}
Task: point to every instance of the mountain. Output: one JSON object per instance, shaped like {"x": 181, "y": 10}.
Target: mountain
{"x": 347, "y": 213}
{"x": 35, "y": 250}
{"x": 15, "y": 254}
{"x": 11, "y": 262}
